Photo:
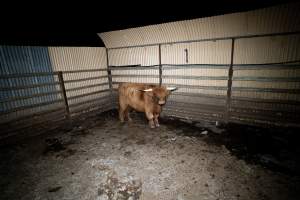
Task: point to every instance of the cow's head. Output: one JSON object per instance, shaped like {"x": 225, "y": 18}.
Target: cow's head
{"x": 159, "y": 94}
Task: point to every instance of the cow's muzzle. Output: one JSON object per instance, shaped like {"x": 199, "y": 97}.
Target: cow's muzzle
{"x": 161, "y": 102}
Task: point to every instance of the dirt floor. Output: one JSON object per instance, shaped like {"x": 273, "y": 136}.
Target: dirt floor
{"x": 100, "y": 158}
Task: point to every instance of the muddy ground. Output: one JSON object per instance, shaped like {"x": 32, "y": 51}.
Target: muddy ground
{"x": 100, "y": 158}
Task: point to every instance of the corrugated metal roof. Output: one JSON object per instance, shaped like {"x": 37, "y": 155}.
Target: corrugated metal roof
{"x": 283, "y": 18}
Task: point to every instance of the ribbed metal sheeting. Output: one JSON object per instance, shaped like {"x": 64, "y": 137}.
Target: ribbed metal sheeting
{"x": 22, "y": 59}
{"x": 32, "y": 91}
{"x": 269, "y": 89}
{"x": 144, "y": 56}
{"x": 123, "y": 64}
{"x": 94, "y": 84}
{"x": 198, "y": 84}
{"x": 260, "y": 93}
{"x": 282, "y": 18}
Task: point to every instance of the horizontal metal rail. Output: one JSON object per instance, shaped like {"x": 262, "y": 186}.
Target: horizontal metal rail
{"x": 272, "y": 90}
{"x": 20, "y": 87}
{"x": 85, "y": 79}
{"x": 195, "y": 66}
{"x": 210, "y": 107}
{"x": 199, "y": 95}
{"x": 273, "y": 101}
{"x": 212, "y": 66}
{"x": 92, "y": 107}
{"x": 198, "y": 86}
{"x": 85, "y": 70}
{"x": 30, "y": 106}
{"x": 264, "y": 115}
{"x": 28, "y": 97}
{"x": 90, "y": 101}
{"x": 117, "y": 82}
{"x": 266, "y": 66}
{"x": 267, "y": 79}
{"x": 134, "y": 76}
{"x": 19, "y": 75}
{"x": 195, "y": 115}
{"x": 254, "y": 108}
{"x": 133, "y": 68}
{"x": 88, "y": 94}
{"x": 285, "y": 63}
{"x": 199, "y": 113}
{"x": 87, "y": 86}
{"x": 277, "y": 113}
{"x": 261, "y": 122}
{"x": 196, "y": 77}
{"x": 113, "y": 66}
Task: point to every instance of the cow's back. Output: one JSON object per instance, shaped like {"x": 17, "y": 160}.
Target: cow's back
{"x": 130, "y": 94}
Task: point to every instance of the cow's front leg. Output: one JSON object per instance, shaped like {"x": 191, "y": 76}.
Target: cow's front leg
{"x": 126, "y": 113}
{"x": 121, "y": 115}
{"x": 150, "y": 117}
{"x": 156, "y": 120}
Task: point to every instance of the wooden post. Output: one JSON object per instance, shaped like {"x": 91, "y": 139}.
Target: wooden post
{"x": 160, "y": 66}
{"x": 63, "y": 92}
{"x": 229, "y": 83}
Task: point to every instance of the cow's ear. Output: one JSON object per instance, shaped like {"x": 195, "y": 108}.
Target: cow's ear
{"x": 147, "y": 90}
{"x": 171, "y": 88}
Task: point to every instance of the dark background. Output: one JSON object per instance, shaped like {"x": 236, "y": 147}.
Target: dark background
{"x": 77, "y": 24}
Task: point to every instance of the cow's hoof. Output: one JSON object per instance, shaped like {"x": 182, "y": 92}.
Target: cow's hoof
{"x": 152, "y": 125}
{"x": 157, "y": 125}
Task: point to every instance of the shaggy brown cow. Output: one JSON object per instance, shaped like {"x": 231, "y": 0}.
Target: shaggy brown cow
{"x": 142, "y": 98}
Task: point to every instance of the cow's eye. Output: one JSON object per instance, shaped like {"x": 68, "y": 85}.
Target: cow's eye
{"x": 156, "y": 98}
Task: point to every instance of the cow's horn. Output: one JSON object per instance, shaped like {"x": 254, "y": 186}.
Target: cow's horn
{"x": 171, "y": 88}
{"x": 148, "y": 90}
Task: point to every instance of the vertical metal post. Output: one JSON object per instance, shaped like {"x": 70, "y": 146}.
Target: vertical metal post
{"x": 109, "y": 73}
{"x": 63, "y": 92}
{"x": 229, "y": 83}
{"x": 160, "y": 66}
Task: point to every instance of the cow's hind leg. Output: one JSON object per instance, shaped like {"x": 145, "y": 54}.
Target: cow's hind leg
{"x": 156, "y": 120}
{"x": 122, "y": 109}
{"x": 150, "y": 117}
{"x": 121, "y": 114}
{"x": 126, "y": 113}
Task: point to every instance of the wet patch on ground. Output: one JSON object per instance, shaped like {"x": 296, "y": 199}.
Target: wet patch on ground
{"x": 274, "y": 148}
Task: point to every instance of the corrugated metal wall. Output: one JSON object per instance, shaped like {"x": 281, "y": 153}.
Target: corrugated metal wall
{"x": 143, "y": 56}
{"x": 28, "y": 74}
{"x": 197, "y": 84}
{"x": 94, "y": 84}
{"x": 20, "y": 59}
{"x": 270, "y": 89}
{"x": 200, "y": 69}
{"x": 276, "y": 19}
{"x": 211, "y": 52}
